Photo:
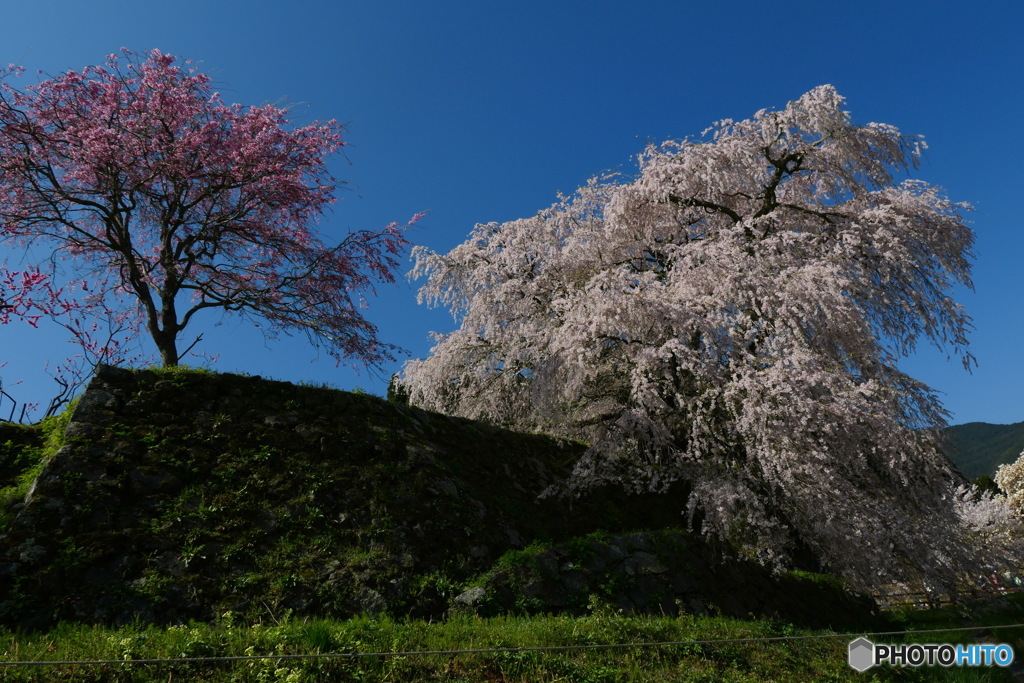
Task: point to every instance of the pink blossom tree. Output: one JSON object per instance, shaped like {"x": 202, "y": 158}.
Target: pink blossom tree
{"x": 166, "y": 201}
{"x": 732, "y": 318}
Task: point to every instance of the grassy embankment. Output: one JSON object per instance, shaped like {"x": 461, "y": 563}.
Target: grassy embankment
{"x": 776, "y": 659}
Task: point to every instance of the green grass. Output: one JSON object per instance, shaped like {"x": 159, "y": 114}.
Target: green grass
{"x": 27, "y": 461}
{"x": 816, "y": 659}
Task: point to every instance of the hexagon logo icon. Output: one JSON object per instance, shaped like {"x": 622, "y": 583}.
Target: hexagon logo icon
{"x": 862, "y": 654}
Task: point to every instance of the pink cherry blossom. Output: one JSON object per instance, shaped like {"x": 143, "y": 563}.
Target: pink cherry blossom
{"x": 170, "y": 201}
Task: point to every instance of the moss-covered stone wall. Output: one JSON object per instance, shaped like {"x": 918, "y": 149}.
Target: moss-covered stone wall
{"x": 182, "y": 495}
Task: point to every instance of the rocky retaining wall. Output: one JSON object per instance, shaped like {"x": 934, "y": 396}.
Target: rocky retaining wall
{"x": 183, "y": 495}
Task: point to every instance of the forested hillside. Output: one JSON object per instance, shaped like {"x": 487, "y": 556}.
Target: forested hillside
{"x": 979, "y": 448}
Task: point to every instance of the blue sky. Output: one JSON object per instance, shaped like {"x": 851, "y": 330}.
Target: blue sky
{"x": 478, "y": 111}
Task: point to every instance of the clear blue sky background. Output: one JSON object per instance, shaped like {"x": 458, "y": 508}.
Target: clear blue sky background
{"x": 480, "y": 111}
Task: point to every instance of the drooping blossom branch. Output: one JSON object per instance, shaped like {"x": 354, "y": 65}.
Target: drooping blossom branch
{"x": 733, "y": 317}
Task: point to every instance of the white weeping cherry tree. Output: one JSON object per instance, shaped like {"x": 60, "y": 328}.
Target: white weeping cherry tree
{"x": 733, "y": 318}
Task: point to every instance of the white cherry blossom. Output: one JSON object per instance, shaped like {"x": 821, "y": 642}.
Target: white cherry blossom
{"x": 732, "y": 317}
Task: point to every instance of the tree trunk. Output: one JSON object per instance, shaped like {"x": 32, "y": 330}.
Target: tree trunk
{"x": 168, "y": 347}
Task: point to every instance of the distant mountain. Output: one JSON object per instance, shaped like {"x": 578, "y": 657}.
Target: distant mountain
{"x": 978, "y": 448}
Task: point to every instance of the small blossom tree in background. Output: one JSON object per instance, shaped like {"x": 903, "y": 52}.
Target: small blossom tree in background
{"x": 164, "y": 201}
{"x": 1010, "y": 480}
{"x": 733, "y": 318}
